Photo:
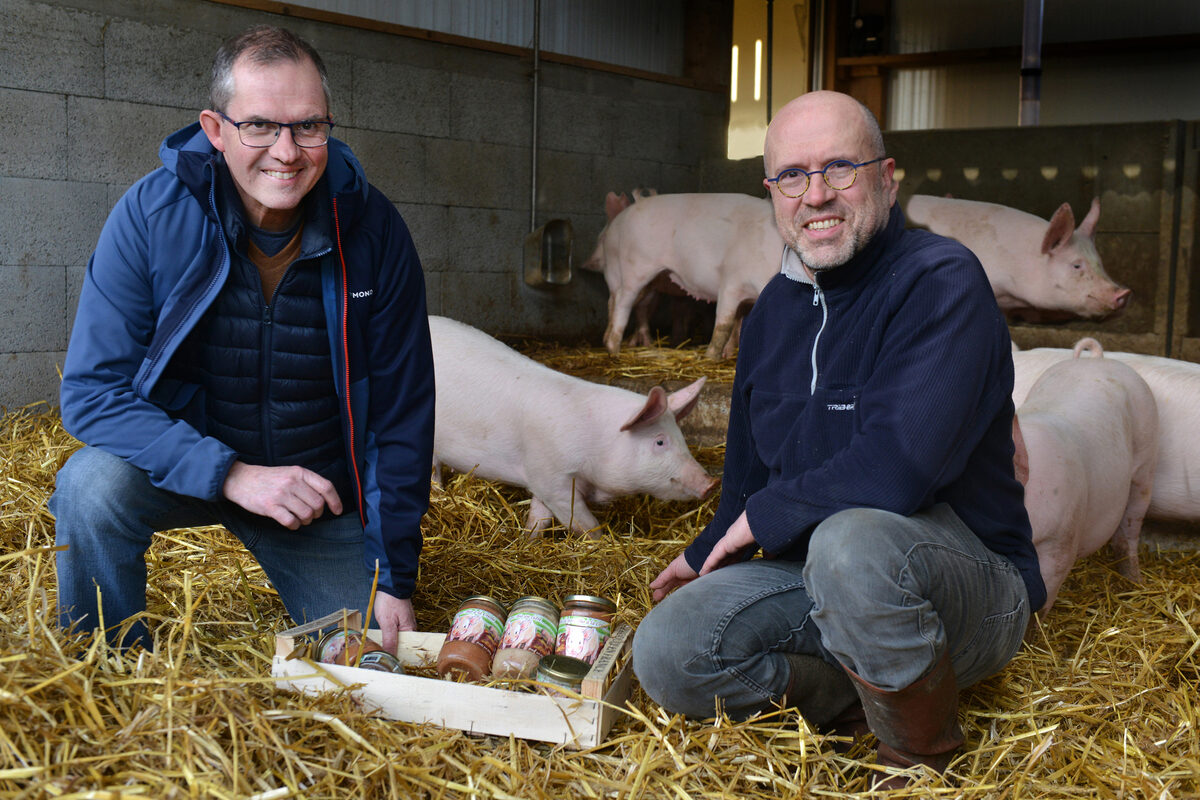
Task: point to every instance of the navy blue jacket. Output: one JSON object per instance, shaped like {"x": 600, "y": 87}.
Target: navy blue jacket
{"x": 888, "y": 384}
{"x": 160, "y": 262}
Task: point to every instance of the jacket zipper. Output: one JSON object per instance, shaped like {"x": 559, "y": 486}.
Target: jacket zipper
{"x": 337, "y": 232}
{"x": 818, "y": 300}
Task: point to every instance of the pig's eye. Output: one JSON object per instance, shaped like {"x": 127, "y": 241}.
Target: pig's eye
{"x": 660, "y": 442}
{"x": 1077, "y": 266}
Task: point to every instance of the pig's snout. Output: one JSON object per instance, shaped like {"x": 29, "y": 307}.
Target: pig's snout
{"x": 706, "y": 486}
{"x": 1121, "y": 299}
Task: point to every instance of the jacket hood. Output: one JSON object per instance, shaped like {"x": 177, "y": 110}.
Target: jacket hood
{"x": 189, "y": 155}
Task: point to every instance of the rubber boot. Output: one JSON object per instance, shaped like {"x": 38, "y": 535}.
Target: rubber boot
{"x": 915, "y": 725}
{"x": 825, "y": 697}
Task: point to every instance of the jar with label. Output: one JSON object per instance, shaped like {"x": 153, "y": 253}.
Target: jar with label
{"x": 562, "y": 671}
{"x": 381, "y": 661}
{"x": 584, "y": 626}
{"x": 341, "y": 646}
{"x": 473, "y": 638}
{"x": 529, "y": 633}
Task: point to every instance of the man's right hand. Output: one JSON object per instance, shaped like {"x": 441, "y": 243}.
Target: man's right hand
{"x": 676, "y": 574}
{"x": 292, "y": 496}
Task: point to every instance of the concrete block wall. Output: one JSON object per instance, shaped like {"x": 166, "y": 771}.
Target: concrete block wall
{"x": 89, "y": 89}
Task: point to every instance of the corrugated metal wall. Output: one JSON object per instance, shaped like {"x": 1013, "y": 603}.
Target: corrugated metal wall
{"x": 1120, "y": 87}
{"x": 631, "y": 33}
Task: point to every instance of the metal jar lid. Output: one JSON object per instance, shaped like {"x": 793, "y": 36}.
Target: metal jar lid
{"x": 540, "y": 603}
{"x": 563, "y": 669}
{"x": 590, "y": 601}
{"x": 381, "y": 661}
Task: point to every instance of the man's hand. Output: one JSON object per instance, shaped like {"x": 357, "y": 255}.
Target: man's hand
{"x": 676, "y": 574}
{"x": 292, "y": 496}
{"x": 393, "y": 614}
{"x": 731, "y": 546}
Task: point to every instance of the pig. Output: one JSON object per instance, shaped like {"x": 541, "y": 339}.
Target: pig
{"x": 1039, "y": 271}
{"x": 569, "y": 441}
{"x": 1176, "y": 388}
{"x": 1086, "y": 441}
{"x": 720, "y": 248}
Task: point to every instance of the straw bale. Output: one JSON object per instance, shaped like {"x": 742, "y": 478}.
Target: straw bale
{"x": 1100, "y": 701}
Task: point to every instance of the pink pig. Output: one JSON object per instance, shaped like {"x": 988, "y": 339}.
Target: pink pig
{"x": 569, "y": 441}
{"x": 1176, "y": 388}
{"x": 1086, "y": 445}
{"x": 720, "y": 248}
{"x": 1039, "y": 271}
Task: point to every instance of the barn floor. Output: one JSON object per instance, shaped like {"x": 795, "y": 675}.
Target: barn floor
{"x": 1099, "y": 702}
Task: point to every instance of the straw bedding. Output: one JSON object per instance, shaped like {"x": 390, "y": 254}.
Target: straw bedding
{"x": 1100, "y": 702}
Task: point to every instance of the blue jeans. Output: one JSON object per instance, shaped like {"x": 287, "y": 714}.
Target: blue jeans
{"x": 107, "y": 511}
{"x": 881, "y": 594}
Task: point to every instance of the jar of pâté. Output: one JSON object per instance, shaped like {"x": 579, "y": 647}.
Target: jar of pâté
{"x": 584, "y": 626}
{"x": 473, "y": 638}
{"x": 562, "y": 671}
{"x": 529, "y": 634}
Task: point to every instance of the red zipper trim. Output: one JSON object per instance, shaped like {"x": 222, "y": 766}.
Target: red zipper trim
{"x": 337, "y": 232}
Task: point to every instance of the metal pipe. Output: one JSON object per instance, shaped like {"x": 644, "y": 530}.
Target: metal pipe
{"x": 1031, "y": 64}
{"x": 533, "y": 148}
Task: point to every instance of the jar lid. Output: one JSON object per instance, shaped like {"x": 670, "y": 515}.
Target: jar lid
{"x": 564, "y": 668}
{"x": 484, "y": 598}
{"x": 590, "y": 601}
{"x": 534, "y": 600}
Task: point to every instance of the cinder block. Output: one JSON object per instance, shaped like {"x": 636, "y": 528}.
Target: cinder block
{"x": 51, "y": 49}
{"x": 567, "y": 184}
{"x": 401, "y": 98}
{"x": 29, "y": 378}
{"x": 49, "y": 223}
{"x": 33, "y": 316}
{"x": 611, "y": 174}
{"x": 479, "y": 175}
{"x": 569, "y": 313}
{"x": 430, "y": 230}
{"x": 494, "y": 111}
{"x": 160, "y": 64}
{"x": 33, "y": 134}
{"x": 139, "y": 128}
{"x": 75, "y": 277}
{"x": 394, "y": 162}
{"x": 575, "y": 122}
{"x": 487, "y": 240}
{"x": 647, "y": 132}
{"x": 680, "y": 178}
{"x": 433, "y": 292}
{"x": 485, "y": 300}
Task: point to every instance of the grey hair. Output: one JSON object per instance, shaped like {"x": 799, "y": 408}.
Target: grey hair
{"x": 262, "y": 44}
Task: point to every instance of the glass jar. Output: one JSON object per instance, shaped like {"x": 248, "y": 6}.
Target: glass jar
{"x": 562, "y": 671}
{"x": 341, "y": 646}
{"x": 529, "y": 633}
{"x": 584, "y": 626}
{"x": 381, "y": 661}
{"x": 473, "y": 638}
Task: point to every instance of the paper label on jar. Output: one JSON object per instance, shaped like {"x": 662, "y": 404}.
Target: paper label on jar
{"x": 476, "y": 625}
{"x": 581, "y": 637}
{"x": 526, "y": 630}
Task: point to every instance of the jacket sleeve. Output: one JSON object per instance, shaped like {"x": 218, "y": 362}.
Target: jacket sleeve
{"x": 936, "y": 389}
{"x": 744, "y": 472}
{"x": 118, "y": 326}
{"x": 400, "y": 415}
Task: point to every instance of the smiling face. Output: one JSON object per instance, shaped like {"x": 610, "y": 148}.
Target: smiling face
{"x": 272, "y": 181}
{"x": 827, "y": 227}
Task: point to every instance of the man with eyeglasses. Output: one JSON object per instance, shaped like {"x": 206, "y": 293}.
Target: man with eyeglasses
{"x": 251, "y": 349}
{"x": 869, "y": 458}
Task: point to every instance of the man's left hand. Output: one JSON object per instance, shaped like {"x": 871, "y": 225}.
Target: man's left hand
{"x": 394, "y": 614}
{"x": 731, "y": 546}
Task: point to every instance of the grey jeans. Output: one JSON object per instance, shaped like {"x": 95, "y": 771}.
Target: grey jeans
{"x": 881, "y": 594}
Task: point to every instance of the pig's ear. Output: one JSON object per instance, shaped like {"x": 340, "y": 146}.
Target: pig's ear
{"x": 656, "y": 404}
{"x": 684, "y": 400}
{"x": 1021, "y": 455}
{"x": 1088, "y": 226}
{"x": 614, "y": 204}
{"x": 1062, "y": 226}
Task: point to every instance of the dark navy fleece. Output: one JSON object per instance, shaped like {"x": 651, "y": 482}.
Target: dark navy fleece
{"x": 911, "y": 403}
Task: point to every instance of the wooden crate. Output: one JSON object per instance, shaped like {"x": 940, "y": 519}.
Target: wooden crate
{"x": 577, "y": 722}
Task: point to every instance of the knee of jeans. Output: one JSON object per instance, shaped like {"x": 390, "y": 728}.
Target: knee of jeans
{"x": 846, "y": 544}
{"x": 94, "y": 481}
{"x": 661, "y": 648}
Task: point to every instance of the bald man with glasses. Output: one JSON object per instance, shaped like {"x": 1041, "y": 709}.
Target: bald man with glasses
{"x": 868, "y": 462}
